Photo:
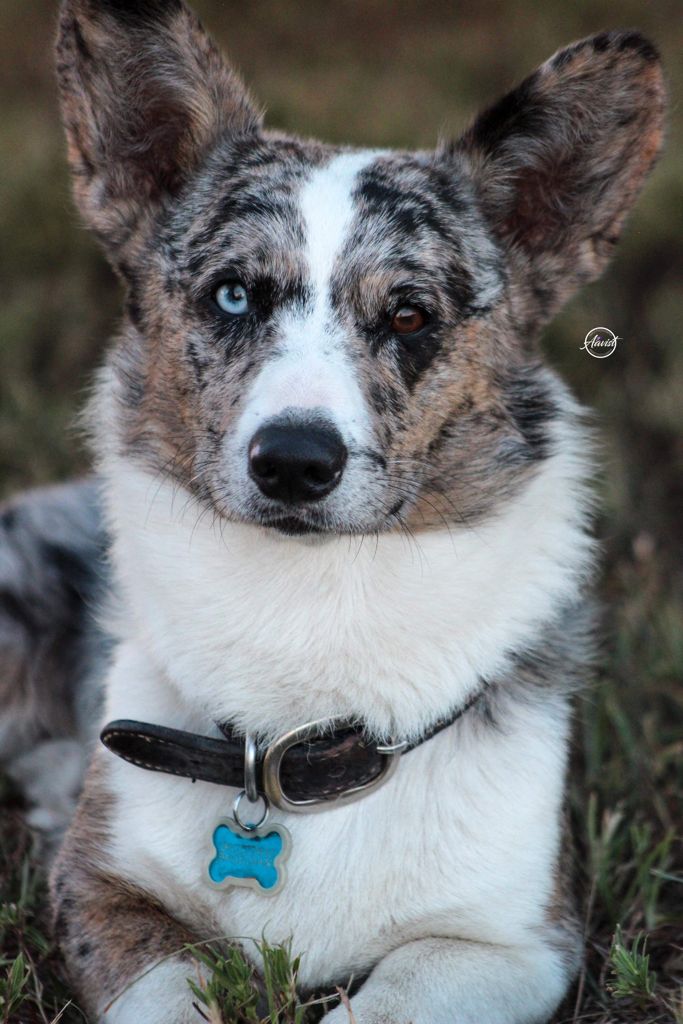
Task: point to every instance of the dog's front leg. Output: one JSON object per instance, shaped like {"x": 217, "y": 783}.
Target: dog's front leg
{"x": 449, "y": 981}
{"x": 126, "y": 956}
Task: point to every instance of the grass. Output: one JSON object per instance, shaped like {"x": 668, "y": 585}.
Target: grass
{"x": 235, "y": 992}
{"x": 630, "y": 970}
{"x": 399, "y": 74}
{"x": 31, "y": 987}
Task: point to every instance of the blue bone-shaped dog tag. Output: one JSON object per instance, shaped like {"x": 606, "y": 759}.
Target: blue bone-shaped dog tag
{"x": 254, "y": 859}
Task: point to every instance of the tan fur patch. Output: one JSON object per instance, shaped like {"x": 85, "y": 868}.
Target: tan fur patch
{"x": 109, "y": 931}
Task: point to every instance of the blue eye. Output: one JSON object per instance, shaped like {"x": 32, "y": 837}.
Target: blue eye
{"x": 233, "y": 298}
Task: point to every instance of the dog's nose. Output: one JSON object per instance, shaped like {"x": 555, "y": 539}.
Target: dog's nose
{"x": 296, "y": 463}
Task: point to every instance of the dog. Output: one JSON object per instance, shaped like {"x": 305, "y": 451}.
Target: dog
{"x": 341, "y": 529}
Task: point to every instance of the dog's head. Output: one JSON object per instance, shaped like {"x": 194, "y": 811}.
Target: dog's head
{"x": 328, "y": 340}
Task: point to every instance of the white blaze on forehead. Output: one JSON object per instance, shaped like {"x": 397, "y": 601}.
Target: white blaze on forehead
{"x": 310, "y": 368}
{"x": 327, "y": 209}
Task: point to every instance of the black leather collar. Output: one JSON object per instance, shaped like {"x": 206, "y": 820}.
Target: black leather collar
{"x": 311, "y": 773}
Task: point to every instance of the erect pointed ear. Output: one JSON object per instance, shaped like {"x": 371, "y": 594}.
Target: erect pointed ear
{"x": 145, "y": 94}
{"x": 558, "y": 162}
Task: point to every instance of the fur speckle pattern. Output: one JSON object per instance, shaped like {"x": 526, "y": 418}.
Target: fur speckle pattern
{"x": 452, "y": 553}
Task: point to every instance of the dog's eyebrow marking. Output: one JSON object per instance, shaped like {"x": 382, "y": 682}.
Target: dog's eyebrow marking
{"x": 327, "y": 210}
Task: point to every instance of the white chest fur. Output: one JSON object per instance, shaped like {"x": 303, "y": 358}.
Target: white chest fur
{"x": 461, "y": 841}
{"x": 239, "y": 625}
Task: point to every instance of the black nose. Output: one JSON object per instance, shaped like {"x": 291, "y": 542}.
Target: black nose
{"x": 296, "y": 463}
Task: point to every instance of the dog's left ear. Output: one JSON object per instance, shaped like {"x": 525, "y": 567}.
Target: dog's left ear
{"x": 558, "y": 162}
{"x": 145, "y": 94}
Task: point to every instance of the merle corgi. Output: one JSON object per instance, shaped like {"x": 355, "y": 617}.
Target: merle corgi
{"x": 345, "y": 508}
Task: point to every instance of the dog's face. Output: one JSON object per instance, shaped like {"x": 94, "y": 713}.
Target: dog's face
{"x": 319, "y": 304}
{"x": 334, "y": 341}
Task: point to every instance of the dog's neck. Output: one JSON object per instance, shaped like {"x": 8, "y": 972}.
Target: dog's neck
{"x": 269, "y": 632}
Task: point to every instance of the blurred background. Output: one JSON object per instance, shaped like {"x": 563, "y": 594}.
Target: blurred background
{"x": 400, "y": 74}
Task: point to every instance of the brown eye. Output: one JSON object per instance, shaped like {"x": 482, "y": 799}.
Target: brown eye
{"x": 407, "y": 320}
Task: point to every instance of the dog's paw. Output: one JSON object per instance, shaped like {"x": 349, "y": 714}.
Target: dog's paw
{"x": 162, "y": 995}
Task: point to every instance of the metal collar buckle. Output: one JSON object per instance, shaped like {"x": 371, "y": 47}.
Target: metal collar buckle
{"x": 314, "y": 730}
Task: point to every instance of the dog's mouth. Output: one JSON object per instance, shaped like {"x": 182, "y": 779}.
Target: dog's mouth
{"x": 306, "y": 523}
{"x": 293, "y": 526}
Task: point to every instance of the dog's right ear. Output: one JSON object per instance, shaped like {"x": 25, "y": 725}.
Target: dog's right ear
{"x": 145, "y": 94}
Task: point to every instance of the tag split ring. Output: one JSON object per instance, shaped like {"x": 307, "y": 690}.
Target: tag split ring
{"x": 250, "y": 779}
